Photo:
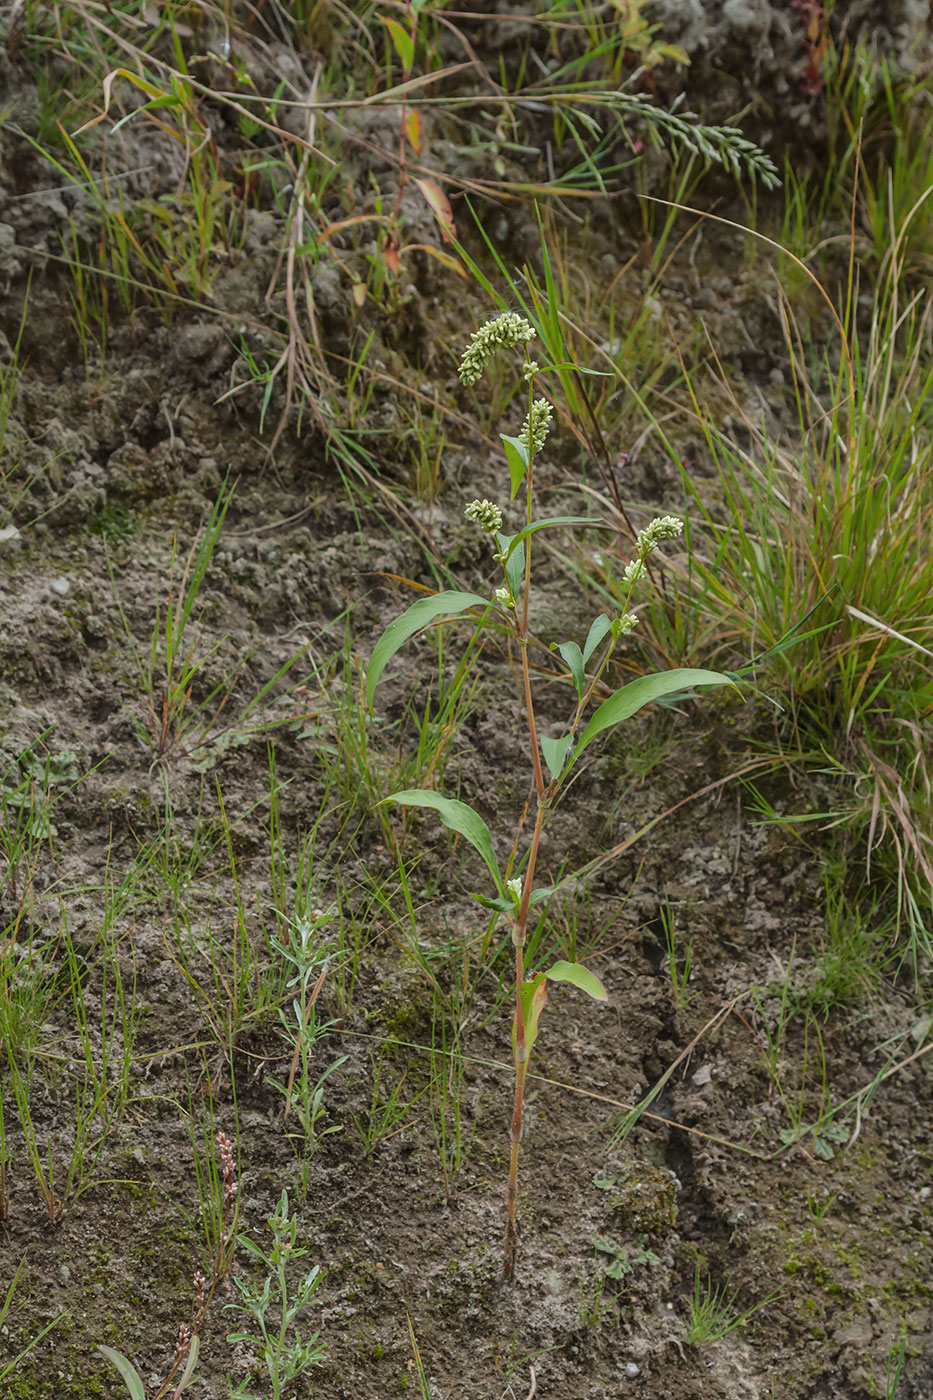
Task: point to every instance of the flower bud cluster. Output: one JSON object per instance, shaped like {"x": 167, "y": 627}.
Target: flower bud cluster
{"x": 485, "y": 514}
{"x": 182, "y": 1346}
{"x": 228, "y": 1169}
{"x": 625, "y": 624}
{"x": 505, "y": 330}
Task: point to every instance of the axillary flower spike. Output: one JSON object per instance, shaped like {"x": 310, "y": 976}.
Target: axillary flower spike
{"x": 485, "y": 514}
{"x": 536, "y": 426}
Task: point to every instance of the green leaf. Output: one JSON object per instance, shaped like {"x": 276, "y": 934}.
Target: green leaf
{"x": 501, "y": 904}
{"x": 515, "y": 563}
{"x": 578, "y": 976}
{"x": 571, "y": 364}
{"x": 131, "y": 1377}
{"x": 534, "y": 1000}
{"x": 411, "y": 621}
{"x": 634, "y": 696}
{"x": 504, "y": 903}
{"x": 517, "y": 456}
{"x": 555, "y": 751}
{"x": 404, "y": 45}
{"x": 190, "y": 1363}
{"x": 515, "y": 540}
{"x": 574, "y": 659}
{"x": 595, "y": 635}
{"x": 456, "y": 816}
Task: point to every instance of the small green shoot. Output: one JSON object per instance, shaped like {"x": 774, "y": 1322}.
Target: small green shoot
{"x": 309, "y": 953}
{"x": 679, "y": 957}
{"x": 275, "y": 1309}
{"x": 713, "y": 1313}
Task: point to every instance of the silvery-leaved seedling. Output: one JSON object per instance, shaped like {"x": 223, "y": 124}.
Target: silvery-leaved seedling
{"x": 513, "y": 896}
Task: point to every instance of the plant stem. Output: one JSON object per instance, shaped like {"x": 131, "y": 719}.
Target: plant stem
{"x": 523, "y": 625}
{"x": 520, "y": 921}
{"x": 532, "y": 728}
{"x": 521, "y": 1048}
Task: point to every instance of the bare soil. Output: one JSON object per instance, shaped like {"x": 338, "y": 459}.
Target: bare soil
{"x": 129, "y": 457}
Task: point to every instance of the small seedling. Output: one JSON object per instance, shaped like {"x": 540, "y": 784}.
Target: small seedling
{"x": 624, "y": 1258}
{"x": 896, "y": 1354}
{"x": 309, "y": 954}
{"x": 417, "y": 1365}
{"x": 389, "y": 1111}
{"x": 712, "y": 1312}
{"x": 825, "y": 1142}
{"x": 679, "y": 957}
{"x": 27, "y": 801}
{"x": 274, "y": 1310}
{"x": 515, "y": 893}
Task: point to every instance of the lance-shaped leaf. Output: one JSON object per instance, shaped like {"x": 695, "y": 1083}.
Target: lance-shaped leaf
{"x": 577, "y": 659}
{"x": 534, "y": 995}
{"x": 515, "y": 540}
{"x": 440, "y": 205}
{"x": 579, "y": 369}
{"x": 413, "y": 130}
{"x": 595, "y": 635}
{"x": 411, "y": 621}
{"x": 515, "y": 563}
{"x": 555, "y": 751}
{"x": 632, "y": 697}
{"x": 504, "y": 904}
{"x": 574, "y": 659}
{"x": 131, "y": 1377}
{"x": 534, "y": 1000}
{"x": 190, "y": 1363}
{"x": 402, "y": 43}
{"x": 456, "y": 816}
{"x": 578, "y": 976}
{"x": 517, "y": 457}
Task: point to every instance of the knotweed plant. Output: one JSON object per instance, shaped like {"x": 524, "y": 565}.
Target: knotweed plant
{"x": 552, "y": 759}
{"x": 185, "y": 1355}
